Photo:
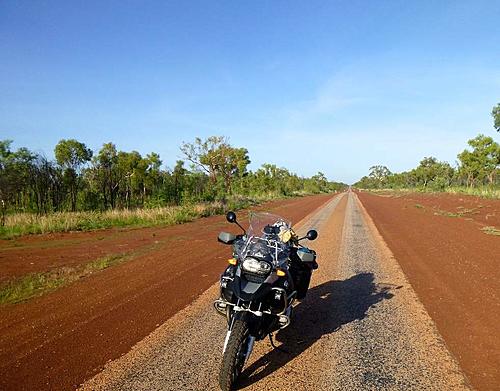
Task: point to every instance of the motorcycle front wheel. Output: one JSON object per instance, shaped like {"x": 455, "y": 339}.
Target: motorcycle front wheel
{"x": 235, "y": 355}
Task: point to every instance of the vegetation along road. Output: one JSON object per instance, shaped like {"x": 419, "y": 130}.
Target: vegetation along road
{"x": 406, "y": 297}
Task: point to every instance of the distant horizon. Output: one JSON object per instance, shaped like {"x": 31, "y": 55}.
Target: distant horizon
{"x": 335, "y": 87}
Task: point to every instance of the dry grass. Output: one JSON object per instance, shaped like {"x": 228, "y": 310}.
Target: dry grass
{"x": 484, "y": 192}
{"x": 491, "y": 230}
{"x": 27, "y": 223}
{"x": 461, "y": 212}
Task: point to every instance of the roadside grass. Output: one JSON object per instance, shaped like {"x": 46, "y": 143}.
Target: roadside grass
{"x": 27, "y": 223}
{"x": 440, "y": 212}
{"x": 37, "y": 284}
{"x": 491, "y": 230}
{"x": 484, "y": 192}
{"x": 460, "y": 213}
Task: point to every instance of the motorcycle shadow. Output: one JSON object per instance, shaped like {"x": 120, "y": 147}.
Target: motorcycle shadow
{"x": 326, "y": 308}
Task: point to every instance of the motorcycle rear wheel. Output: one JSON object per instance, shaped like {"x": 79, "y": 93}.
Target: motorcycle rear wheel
{"x": 234, "y": 356}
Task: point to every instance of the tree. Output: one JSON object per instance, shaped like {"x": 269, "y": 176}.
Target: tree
{"x": 130, "y": 172}
{"x": 179, "y": 180}
{"x": 4, "y": 177}
{"x": 205, "y": 154}
{"x": 45, "y": 181}
{"x": 71, "y": 155}
{"x": 29, "y": 182}
{"x": 218, "y": 159}
{"x": 15, "y": 178}
{"x": 106, "y": 175}
{"x": 379, "y": 174}
{"x": 482, "y": 162}
{"x": 232, "y": 164}
{"x": 317, "y": 183}
{"x": 496, "y": 117}
{"x": 430, "y": 170}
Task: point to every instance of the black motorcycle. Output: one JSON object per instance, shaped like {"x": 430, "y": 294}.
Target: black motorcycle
{"x": 268, "y": 272}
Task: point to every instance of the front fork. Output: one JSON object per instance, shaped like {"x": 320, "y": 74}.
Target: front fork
{"x": 251, "y": 340}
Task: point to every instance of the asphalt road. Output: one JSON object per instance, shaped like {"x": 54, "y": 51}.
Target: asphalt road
{"x": 361, "y": 327}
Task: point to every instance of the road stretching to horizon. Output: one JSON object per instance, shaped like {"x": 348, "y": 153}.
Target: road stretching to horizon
{"x": 361, "y": 327}
{"x": 405, "y": 298}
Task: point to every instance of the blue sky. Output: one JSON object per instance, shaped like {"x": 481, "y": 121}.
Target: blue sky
{"x": 331, "y": 86}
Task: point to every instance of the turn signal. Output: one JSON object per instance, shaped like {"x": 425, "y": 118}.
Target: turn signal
{"x": 232, "y": 261}
{"x": 280, "y": 273}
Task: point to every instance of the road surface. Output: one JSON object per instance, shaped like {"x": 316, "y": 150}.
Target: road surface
{"x": 361, "y": 327}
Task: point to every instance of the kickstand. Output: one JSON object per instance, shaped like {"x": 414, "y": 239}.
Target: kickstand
{"x": 276, "y": 347}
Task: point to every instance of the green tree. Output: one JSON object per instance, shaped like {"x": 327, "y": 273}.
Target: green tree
{"x": 178, "y": 181}
{"x": 430, "y": 170}
{"x": 215, "y": 156}
{"x": 205, "y": 154}
{"x": 16, "y": 176}
{"x": 379, "y": 174}
{"x": 105, "y": 174}
{"x": 31, "y": 183}
{"x": 5, "y": 177}
{"x": 482, "y": 163}
{"x": 71, "y": 155}
{"x": 129, "y": 172}
{"x": 496, "y": 117}
{"x": 318, "y": 183}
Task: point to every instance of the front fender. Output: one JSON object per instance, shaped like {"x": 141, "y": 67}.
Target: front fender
{"x": 253, "y": 321}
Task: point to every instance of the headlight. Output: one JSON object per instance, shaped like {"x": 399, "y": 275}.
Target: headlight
{"x": 252, "y": 265}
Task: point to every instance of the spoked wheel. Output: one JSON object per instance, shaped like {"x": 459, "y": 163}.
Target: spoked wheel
{"x": 234, "y": 356}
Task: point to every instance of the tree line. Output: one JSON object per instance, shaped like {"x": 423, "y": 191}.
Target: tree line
{"x": 477, "y": 166}
{"x": 80, "y": 179}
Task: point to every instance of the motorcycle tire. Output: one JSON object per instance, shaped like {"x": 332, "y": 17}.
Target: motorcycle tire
{"x": 234, "y": 356}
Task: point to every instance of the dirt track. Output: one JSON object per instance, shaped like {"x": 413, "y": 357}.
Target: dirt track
{"x": 454, "y": 268}
{"x": 41, "y": 253}
{"x": 364, "y": 325}
{"x": 361, "y": 327}
{"x": 57, "y": 341}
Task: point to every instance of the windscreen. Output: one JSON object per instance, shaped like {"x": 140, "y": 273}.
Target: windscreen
{"x": 262, "y": 240}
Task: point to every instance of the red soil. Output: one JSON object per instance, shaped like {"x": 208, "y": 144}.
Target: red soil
{"x": 481, "y": 210}
{"x": 454, "y": 268}
{"x": 40, "y": 253}
{"x": 58, "y": 340}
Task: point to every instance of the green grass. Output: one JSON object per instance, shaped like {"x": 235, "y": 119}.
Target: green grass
{"x": 37, "y": 284}
{"x": 491, "y": 230}
{"x": 28, "y": 286}
{"x": 27, "y": 223}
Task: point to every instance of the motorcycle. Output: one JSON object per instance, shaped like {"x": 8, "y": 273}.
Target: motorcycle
{"x": 268, "y": 272}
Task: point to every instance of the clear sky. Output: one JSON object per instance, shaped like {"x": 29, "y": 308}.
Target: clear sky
{"x": 331, "y": 86}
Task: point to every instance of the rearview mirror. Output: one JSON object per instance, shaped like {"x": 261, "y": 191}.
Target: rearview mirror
{"x": 312, "y": 234}
{"x": 231, "y": 217}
